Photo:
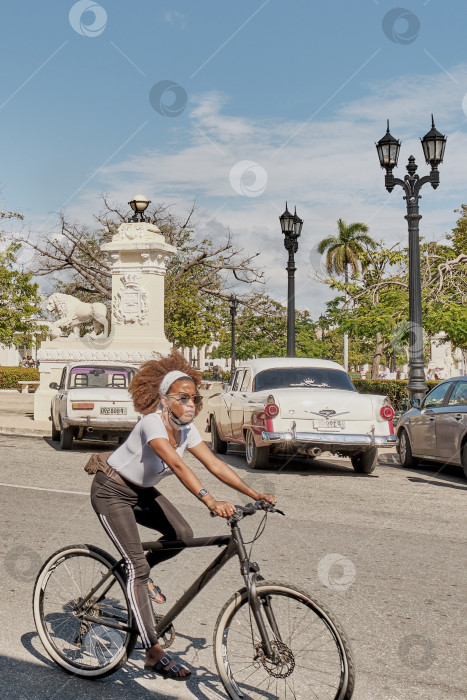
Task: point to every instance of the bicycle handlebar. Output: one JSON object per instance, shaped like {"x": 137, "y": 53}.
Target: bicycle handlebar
{"x": 250, "y": 509}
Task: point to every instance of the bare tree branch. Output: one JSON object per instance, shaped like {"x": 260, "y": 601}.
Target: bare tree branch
{"x": 74, "y": 254}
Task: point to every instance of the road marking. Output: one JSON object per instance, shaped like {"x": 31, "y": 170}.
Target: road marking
{"x": 38, "y": 488}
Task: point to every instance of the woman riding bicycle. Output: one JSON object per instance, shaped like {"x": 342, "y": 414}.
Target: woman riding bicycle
{"x": 166, "y": 393}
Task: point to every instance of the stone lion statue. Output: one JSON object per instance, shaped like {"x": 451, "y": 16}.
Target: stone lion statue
{"x": 72, "y": 312}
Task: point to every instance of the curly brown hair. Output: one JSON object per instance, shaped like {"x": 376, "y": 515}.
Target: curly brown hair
{"x": 144, "y": 387}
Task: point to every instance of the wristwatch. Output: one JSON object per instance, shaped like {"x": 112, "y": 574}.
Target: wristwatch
{"x": 202, "y": 493}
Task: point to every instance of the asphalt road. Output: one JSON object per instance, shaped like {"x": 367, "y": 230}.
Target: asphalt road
{"x": 386, "y": 552}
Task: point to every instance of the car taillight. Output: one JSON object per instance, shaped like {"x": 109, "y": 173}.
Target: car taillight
{"x": 387, "y": 412}
{"x": 271, "y": 410}
{"x": 82, "y": 406}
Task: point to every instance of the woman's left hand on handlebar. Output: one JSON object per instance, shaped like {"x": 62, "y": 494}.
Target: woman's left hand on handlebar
{"x": 269, "y": 497}
{"x": 222, "y": 508}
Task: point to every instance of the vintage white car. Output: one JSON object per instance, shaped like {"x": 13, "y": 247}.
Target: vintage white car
{"x": 285, "y": 406}
{"x": 92, "y": 399}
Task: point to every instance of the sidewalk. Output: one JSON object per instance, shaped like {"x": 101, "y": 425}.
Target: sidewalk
{"x": 17, "y": 413}
{"x": 16, "y": 416}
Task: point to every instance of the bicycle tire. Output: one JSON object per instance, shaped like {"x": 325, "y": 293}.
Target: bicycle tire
{"x": 300, "y": 669}
{"x": 81, "y": 647}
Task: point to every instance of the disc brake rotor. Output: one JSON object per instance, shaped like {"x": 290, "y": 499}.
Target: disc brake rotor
{"x": 282, "y": 663}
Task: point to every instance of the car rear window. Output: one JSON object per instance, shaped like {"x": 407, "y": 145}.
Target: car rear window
{"x": 303, "y": 377}
{"x": 103, "y": 377}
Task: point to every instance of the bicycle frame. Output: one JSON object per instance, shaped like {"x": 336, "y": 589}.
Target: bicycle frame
{"x": 232, "y": 545}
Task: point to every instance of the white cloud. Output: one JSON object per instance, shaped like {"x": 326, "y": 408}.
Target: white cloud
{"x": 329, "y": 170}
{"x": 175, "y": 17}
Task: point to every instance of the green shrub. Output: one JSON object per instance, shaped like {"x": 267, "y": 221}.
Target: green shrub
{"x": 208, "y": 376}
{"x": 396, "y": 389}
{"x": 10, "y": 376}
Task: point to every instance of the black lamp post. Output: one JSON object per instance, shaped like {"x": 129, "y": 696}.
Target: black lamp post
{"x": 322, "y": 320}
{"x": 233, "y": 303}
{"x": 291, "y": 226}
{"x": 393, "y": 359}
{"x": 139, "y": 204}
{"x": 388, "y": 148}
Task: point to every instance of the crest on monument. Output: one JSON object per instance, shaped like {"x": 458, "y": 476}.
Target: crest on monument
{"x": 131, "y": 303}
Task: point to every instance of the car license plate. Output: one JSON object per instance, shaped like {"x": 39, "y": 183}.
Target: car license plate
{"x": 332, "y": 425}
{"x": 113, "y": 410}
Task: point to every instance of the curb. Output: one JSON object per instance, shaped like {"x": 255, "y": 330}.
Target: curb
{"x": 24, "y": 432}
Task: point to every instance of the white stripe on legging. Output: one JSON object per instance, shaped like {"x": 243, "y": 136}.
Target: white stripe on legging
{"x": 130, "y": 582}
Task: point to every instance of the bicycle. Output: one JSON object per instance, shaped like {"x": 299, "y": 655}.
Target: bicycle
{"x": 271, "y": 639}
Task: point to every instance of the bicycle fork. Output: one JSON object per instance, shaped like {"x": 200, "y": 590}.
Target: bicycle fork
{"x": 250, "y": 573}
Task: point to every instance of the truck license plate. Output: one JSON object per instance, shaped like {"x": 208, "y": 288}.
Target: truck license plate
{"x": 113, "y": 410}
{"x": 332, "y": 425}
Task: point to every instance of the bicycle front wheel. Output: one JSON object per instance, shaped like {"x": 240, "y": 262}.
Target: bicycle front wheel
{"x": 92, "y": 640}
{"x": 311, "y": 657}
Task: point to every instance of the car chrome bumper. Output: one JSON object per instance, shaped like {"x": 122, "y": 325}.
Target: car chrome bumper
{"x": 98, "y": 423}
{"x": 334, "y": 439}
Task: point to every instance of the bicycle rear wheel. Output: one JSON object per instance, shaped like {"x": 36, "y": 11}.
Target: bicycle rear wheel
{"x": 81, "y": 646}
{"x": 313, "y": 658}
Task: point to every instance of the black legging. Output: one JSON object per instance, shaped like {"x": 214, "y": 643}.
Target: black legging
{"x": 119, "y": 508}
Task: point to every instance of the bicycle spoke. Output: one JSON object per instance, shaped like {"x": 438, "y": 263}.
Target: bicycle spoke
{"x": 305, "y": 660}
{"x": 87, "y": 645}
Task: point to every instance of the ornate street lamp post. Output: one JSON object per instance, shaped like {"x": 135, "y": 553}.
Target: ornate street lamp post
{"x": 322, "y": 321}
{"x": 139, "y": 204}
{"x": 388, "y": 148}
{"x": 233, "y": 303}
{"x": 291, "y": 226}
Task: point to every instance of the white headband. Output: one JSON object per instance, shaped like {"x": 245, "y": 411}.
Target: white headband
{"x": 169, "y": 379}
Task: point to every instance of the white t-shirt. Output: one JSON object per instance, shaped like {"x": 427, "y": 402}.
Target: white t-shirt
{"x": 136, "y": 460}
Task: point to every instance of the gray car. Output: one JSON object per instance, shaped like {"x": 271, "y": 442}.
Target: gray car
{"x": 438, "y": 429}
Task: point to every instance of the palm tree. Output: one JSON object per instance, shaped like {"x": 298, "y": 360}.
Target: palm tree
{"x": 345, "y": 251}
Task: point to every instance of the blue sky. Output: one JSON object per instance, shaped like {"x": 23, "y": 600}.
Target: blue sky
{"x": 237, "y": 105}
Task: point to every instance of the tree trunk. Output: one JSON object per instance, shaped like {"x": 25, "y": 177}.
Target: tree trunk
{"x": 198, "y": 358}
{"x": 377, "y": 356}
{"x": 346, "y": 337}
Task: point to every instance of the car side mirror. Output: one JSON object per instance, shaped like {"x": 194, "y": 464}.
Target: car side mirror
{"x": 415, "y": 403}
{"x": 53, "y": 385}
{"x": 225, "y": 386}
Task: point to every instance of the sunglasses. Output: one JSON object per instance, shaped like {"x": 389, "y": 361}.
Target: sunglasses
{"x": 184, "y": 398}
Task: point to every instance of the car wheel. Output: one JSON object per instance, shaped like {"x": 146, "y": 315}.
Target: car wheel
{"x": 66, "y": 438}
{"x": 464, "y": 458}
{"x": 256, "y": 457}
{"x": 217, "y": 445}
{"x": 55, "y": 432}
{"x": 365, "y": 462}
{"x": 405, "y": 450}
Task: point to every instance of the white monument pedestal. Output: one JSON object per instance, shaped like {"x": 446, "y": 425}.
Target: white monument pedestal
{"x": 139, "y": 254}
